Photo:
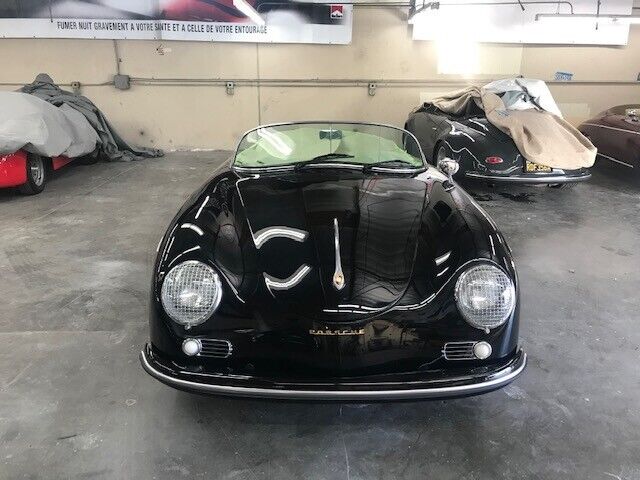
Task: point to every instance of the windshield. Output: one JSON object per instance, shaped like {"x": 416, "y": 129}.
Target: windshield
{"x": 329, "y": 144}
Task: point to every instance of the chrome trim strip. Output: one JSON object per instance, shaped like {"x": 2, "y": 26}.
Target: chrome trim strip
{"x": 291, "y": 281}
{"x": 275, "y": 168}
{"x": 436, "y": 392}
{"x": 351, "y": 166}
{"x": 264, "y": 235}
{"x": 396, "y": 170}
{"x": 532, "y": 179}
{"x": 338, "y": 275}
{"x": 612, "y": 128}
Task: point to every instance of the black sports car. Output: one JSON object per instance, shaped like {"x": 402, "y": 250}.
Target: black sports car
{"x": 483, "y": 151}
{"x": 327, "y": 262}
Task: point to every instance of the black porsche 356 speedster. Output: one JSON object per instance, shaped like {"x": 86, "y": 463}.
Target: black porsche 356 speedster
{"x": 483, "y": 151}
{"x": 326, "y": 262}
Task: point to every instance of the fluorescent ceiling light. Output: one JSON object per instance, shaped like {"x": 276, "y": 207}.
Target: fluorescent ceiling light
{"x": 626, "y": 19}
{"x": 249, "y": 11}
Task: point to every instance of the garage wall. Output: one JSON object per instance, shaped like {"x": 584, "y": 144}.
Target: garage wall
{"x": 174, "y": 104}
{"x": 604, "y": 67}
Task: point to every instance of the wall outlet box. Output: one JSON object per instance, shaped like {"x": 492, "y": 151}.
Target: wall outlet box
{"x": 122, "y": 82}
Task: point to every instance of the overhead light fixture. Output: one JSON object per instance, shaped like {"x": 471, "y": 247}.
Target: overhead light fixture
{"x": 249, "y": 11}
{"x": 626, "y": 19}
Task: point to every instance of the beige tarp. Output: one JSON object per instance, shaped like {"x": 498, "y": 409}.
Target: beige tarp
{"x": 541, "y": 136}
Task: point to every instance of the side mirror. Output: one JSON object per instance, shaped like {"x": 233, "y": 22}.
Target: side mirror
{"x": 449, "y": 167}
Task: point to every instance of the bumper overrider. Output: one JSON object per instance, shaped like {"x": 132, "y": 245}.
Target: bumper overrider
{"x": 416, "y": 385}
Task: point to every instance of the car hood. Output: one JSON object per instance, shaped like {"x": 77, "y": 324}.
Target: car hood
{"x": 308, "y": 230}
{"x": 403, "y": 241}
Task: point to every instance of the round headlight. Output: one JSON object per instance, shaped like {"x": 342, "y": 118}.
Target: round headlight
{"x": 191, "y": 292}
{"x": 485, "y": 296}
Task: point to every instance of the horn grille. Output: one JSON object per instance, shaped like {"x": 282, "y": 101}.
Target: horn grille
{"x": 214, "y": 348}
{"x": 459, "y": 351}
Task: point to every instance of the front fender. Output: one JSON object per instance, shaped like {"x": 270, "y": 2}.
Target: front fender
{"x": 471, "y": 148}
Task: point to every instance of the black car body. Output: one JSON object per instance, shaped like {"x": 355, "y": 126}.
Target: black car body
{"x": 483, "y": 151}
{"x": 338, "y": 283}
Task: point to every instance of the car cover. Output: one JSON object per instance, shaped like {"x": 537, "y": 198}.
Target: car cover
{"x": 525, "y": 110}
{"x": 524, "y": 94}
{"x": 110, "y": 145}
{"x": 29, "y": 123}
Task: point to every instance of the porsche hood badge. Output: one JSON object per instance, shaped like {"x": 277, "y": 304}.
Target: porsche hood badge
{"x": 338, "y": 276}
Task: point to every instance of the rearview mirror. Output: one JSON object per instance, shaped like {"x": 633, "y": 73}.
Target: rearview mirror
{"x": 449, "y": 167}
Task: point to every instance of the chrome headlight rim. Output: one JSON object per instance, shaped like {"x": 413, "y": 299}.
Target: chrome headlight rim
{"x": 170, "y": 310}
{"x": 510, "y": 288}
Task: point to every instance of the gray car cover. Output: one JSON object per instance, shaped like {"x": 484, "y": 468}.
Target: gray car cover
{"x": 110, "y": 146}
{"x": 29, "y": 123}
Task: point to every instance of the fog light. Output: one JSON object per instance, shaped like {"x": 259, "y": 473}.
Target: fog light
{"x": 192, "y": 346}
{"x": 482, "y": 350}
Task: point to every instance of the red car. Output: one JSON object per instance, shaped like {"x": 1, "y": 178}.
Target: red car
{"x": 616, "y": 134}
{"x": 28, "y": 171}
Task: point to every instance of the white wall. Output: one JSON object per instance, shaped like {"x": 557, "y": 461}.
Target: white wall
{"x": 191, "y": 115}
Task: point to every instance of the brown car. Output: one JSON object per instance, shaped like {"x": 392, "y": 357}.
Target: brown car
{"x": 616, "y": 134}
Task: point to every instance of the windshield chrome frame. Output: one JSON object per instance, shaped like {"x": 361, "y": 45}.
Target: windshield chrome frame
{"x": 425, "y": 164}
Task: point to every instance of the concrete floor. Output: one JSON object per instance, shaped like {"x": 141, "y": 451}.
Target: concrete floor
{"x": 74, "y": 403}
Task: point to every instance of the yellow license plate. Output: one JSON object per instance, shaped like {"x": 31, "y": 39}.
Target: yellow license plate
{"x": 535, "y": 167}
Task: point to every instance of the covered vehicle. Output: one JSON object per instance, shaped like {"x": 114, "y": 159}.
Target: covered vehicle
{"x": 43, "y": 127}
{"x": 616, "y": 134}
{"x": 37, "y": 137}
{"x": 509, "y": 131}
{"x": 328, "y": 262}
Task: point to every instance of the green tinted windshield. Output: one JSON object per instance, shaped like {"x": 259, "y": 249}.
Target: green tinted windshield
{"x": 335, "y": 143}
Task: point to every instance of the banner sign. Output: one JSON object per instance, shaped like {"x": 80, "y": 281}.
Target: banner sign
{"x": 281, "y": 21}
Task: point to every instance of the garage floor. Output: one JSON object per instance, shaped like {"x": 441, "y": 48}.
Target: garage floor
{"x": 74, "y": 402}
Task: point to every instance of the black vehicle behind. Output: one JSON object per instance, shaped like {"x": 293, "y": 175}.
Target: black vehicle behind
{"x": 483, "y": 151}
{"x": 336, "y": 281}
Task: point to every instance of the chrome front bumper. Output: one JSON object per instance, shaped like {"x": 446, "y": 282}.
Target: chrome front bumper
{"x": 473, "y": 382}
